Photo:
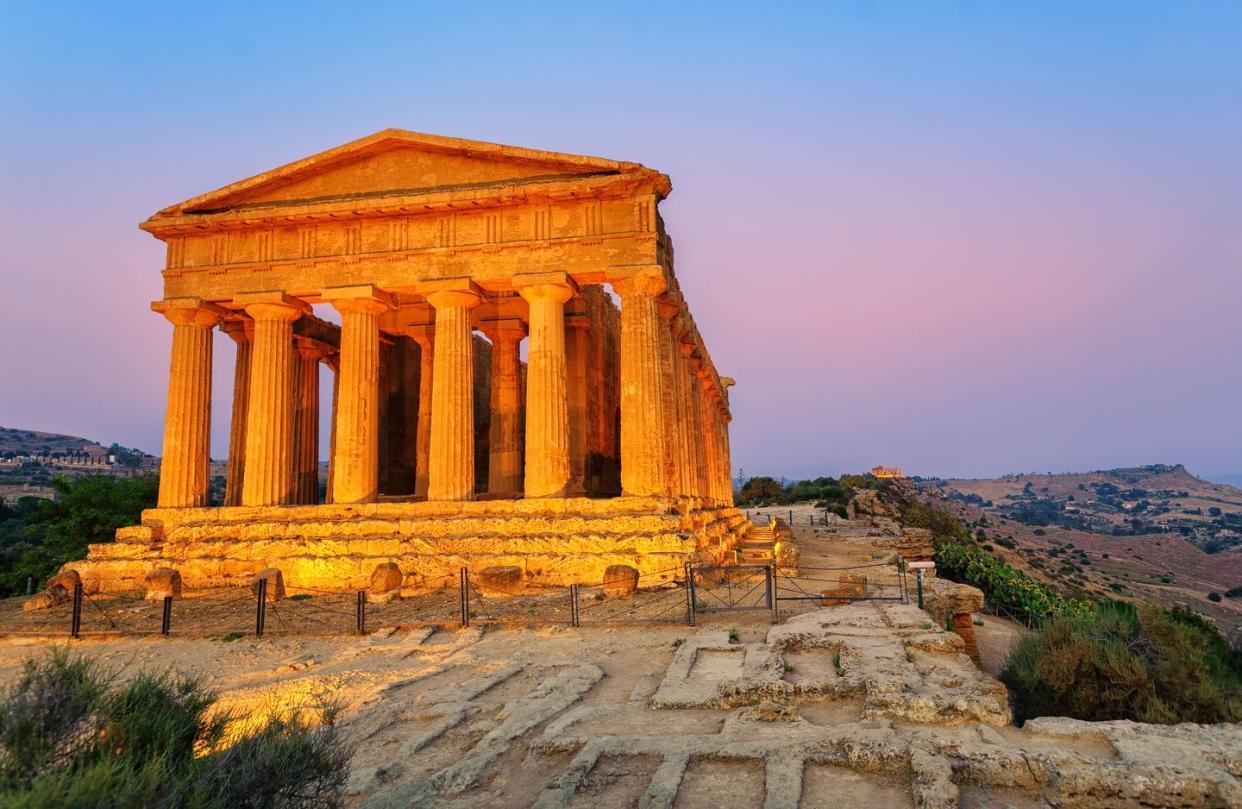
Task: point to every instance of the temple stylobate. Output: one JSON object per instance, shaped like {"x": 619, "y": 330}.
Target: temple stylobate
{"x": 608, "y": 444}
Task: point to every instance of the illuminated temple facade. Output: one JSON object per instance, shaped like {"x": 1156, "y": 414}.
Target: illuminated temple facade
{"x": 608, "y": 445}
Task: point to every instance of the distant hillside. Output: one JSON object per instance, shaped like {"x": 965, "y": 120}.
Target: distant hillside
{"x": 29, "y": 459}
{"x": 31, "y": 442}
{"x": 1155, "y": 533}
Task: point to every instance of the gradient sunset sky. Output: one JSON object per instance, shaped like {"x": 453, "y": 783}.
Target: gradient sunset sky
{"x": 962, "y": 238}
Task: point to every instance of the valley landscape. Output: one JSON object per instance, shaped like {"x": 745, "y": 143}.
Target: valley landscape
{"x": 1151, "y": 533}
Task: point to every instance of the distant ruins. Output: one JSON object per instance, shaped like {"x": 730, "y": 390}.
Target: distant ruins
{"x": 608, "y": 446}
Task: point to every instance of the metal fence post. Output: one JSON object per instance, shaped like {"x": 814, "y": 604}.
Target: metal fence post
{"x": 465, "y": 597}
{"x": 30, "y": 585}
{"x": 75, "y": 625}
{"x": 362, "y": 612}
{"x": 166, "y": 622}
{"x": 691, "y": 603}
{"x": 260, "y": 610}
{"x": 770, "y": 575}
{"x": 573, "y": 605}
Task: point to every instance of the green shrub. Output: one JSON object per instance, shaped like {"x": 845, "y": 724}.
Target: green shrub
{"x": 1215, "y": 597}
{"x": 72, "y": 736}
{"x": 1003, "y": 584}
{"x": 1120, "y": 662}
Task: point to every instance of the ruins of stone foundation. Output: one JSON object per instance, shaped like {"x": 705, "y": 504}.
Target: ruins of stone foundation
{"x": 609, "y": 445}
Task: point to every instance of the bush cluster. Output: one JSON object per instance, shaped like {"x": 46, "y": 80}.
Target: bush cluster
{"x": 1002, "y": 583}
{"x": 71, "y": 735}
{"x": 1119, "y": 661}
{"x": 38, "y": 536}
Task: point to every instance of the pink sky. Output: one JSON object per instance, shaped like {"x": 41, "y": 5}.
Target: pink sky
{"x": 965, "y": 241}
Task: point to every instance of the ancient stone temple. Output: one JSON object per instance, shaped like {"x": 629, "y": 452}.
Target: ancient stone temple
{"x": 608, "y": 445}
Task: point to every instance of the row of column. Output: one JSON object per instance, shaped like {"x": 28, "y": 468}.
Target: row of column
{"x": 674, "y": 437}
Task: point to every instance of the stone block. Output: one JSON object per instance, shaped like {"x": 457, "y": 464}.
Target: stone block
{"x": 502, "y": 579}
{"x": 620, "y": 580}
{"x": 64, "y": 580}
{"x": 385, "y": 583}
{"x": 162, "y": 582}
{"x": 850, "y": 587}
{"x": 275, "y": 583}
{"x": 46, "y": 600}
{"x": 964, "y": 626}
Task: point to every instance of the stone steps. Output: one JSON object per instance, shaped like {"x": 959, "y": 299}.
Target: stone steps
{"x": 338, "y": 546}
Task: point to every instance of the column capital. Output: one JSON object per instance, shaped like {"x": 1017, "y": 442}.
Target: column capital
{"x": 647, "y": 281}
{"x": 501, "y": 329}
{"x": 424, "y": 333}
{"x": 366, "y": 298}
{"x": 534, "y": 286}
{"x": 452, "y": 292}
{"x": 272, "y": 305}
{"x": 241, "y": 329}
{"x": 190, "y": 311}
{"x": 311, "y": 348}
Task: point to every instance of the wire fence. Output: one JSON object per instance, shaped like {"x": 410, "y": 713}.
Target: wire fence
{"x": 464, "y": 598}
{"x": 791, "y": 517}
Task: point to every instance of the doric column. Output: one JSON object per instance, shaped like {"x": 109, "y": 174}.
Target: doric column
{"x": 450, "y": 472}
{"x": 504, "y": 468}
{"x": 726, "y": 457}
{"x": 185, "y": 468}
{"x": 687, "y": 455}
{"x": 577, "y": 350}
{"x": 240, "y": 331}
{"x": 425, "y": 337}
{"x": 308, "y": 354}
{"x": 356, "y": 463}
{"x": 642, "y": 403}
{"x": 668, "y": 386}
{"x": 708, "y": 441}
{"x": 269, "y": 418}
{"x": 547, "y": 403}
{"x": 333, "y": 362}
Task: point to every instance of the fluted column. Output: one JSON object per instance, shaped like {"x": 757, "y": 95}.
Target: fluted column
{"x": 726, "y": 460}
{"x": 334, "y": 363}
{"x": 698, "y": 421}
{"x": 547, "y": 402}
{"x": 425, "y": 337}
{"x": 668, "y": 387}
{"x": 504, "y": 468}
{"x": 687, "y": 453}
{"x": 306, "y": 421}
{"x": 269, "y": 419}
{"x": 708, "y": 442}
{"x": 356, "y": 463}
{"x": 642, "y": 404}
{"x": 577, "y": 350}
{"x": 240, "y": 332}
{"x": 450, "y": 472}
{"x": 185, "y": 468}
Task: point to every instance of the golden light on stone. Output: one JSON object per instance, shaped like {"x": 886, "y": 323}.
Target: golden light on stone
{"x": 607, "y": 447}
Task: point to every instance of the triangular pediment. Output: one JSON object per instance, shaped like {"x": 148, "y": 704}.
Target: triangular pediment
{"x": 395, "y": 162}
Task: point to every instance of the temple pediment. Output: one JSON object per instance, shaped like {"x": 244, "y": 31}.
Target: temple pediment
{"x": 397, "y": 162}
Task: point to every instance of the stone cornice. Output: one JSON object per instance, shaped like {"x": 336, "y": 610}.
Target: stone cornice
{"x": 407, "y": 203}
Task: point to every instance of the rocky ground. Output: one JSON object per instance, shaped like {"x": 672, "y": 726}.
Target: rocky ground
{"x": 865, "y": 704}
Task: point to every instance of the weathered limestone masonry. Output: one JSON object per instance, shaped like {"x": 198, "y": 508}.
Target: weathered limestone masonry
{"x": 608, "y": 446}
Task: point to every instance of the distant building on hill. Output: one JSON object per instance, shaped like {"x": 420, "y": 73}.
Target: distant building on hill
{"x": 887, "y": 472}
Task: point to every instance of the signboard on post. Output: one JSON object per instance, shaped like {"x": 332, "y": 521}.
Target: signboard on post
{"x": 929, "y": 565}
